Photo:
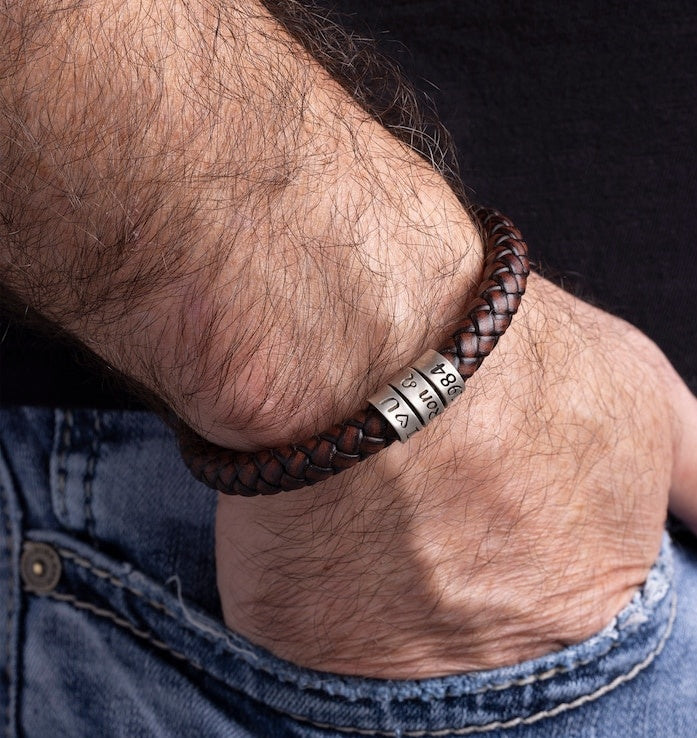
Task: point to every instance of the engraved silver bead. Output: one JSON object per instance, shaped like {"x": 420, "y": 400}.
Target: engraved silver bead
{"x": 397, "y": 411}
{"x": 441, "y": 374}
{"x": 420, "y": 395}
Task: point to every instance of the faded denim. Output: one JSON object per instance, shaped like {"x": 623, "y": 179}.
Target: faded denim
{"x": 127, "y": 639}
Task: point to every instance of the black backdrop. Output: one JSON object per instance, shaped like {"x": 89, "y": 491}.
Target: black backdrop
{"x": 577, "y": 120}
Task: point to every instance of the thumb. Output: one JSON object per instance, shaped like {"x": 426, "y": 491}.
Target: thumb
{"x": 683, "y": 493}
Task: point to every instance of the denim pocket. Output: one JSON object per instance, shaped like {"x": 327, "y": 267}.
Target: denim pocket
{"x": 116, "y": 653}
{"x": 124, "y": 640}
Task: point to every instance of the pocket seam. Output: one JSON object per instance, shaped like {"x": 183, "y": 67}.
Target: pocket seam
{"x": 109, "y": 577}
{"x": 121, "y": 622}
{"x": 520, "y": 720}
{"x": 188, "y": 623}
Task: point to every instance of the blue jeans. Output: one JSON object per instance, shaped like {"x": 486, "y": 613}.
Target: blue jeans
{"x": 110, "y": 623}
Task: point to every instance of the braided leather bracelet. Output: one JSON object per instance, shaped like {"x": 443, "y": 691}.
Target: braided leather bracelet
{"x": 404, "y": 405}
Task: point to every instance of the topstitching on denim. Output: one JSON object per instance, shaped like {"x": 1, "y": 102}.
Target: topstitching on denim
{"x": 109, "y": 577}
{"x": 90, "y": 471}
{"x": 63, "y": 443}
{"x": 121, "y": 622}
{"x": 72, "y": 491}
{"x": 248, "y": 656}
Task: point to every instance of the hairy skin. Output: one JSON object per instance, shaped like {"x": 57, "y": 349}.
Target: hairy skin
{"x": 184, "y": 189}
{"x": 194, "y": 208}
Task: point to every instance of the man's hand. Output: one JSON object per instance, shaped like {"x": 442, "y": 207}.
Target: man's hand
{"x": 191, "y": 195}
{"x": 521, "y": 520}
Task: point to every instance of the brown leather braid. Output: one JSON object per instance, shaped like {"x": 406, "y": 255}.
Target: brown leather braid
{"x": 343, "y": 445}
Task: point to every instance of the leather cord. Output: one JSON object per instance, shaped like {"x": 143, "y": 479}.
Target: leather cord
{"x": 345, "y": 444}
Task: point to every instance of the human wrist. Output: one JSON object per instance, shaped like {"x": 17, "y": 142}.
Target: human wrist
{"x": 346, "y": 307}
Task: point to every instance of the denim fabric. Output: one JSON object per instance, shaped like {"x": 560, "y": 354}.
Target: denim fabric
{"x": 129, "y": 641}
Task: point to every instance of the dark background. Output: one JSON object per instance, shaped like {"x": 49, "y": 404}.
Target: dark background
{"x": 577, "y": 120}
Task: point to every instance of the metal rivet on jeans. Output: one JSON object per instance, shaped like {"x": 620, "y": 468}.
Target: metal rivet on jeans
{"x": 40, "y": 567}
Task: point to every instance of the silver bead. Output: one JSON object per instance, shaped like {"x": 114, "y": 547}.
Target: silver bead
{"x": 420, "y": 395}
{"x": 441, "y": 374}
{"x": 397, "y": 412}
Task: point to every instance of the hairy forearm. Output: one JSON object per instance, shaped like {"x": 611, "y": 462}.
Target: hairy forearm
{"x": 192, "y": 195}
